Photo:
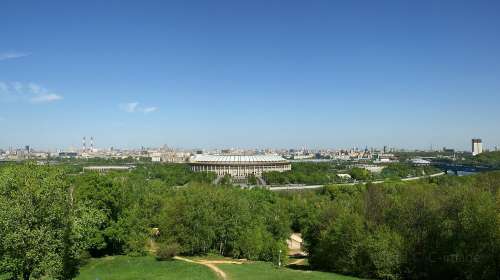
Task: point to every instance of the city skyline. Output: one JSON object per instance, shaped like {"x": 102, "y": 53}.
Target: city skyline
{"x": 88, "y": 145}
{"x": 281, "y": 74}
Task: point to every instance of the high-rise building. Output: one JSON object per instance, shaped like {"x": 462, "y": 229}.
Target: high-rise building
{"x": 477, "y": 146}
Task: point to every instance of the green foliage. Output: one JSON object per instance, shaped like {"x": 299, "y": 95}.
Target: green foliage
{"x": 382, "y": 254}
{"x": 304, "y": 208}
{"x": 86, "y": 227}
{"x": 491, "y": 159}
{"x": 443, "y": 227}
{"x": 35, "y": 222}
{"x": 127, "y": 206}
{"x": 310, "y": 173}
{"x": 226, "y": 180}
{"x": 340, "y": 245}
{"x": 252, "y": 180}
{"x": 167, "y": 251}
{"x": 403, "y": 170}
{"x": 360, "y": 174}
{"x": 446, "y": 228}
{"x": 173, "y": 174}
{"x": 226, "y": 220}
{"x": 304, "y": 173}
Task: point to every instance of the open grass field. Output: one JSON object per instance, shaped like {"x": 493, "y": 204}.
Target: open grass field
{"x": 128, "y": 268}
{"x": 267, "y": 271}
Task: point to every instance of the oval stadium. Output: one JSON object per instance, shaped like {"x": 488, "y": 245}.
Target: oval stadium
{"x": 238, "y": 166}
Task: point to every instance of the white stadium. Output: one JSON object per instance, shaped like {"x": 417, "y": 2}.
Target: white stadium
{"x": 239, "y": 166}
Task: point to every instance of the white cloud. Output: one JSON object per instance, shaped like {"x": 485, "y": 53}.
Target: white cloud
{"x": 149, "y": 109}
{"x": 129, "y": 107}
{"x": 49, "y": 97}
{"x": 32, "y": 92}
{"x": 133, "y": 107}
{"x": 12, "y": 55}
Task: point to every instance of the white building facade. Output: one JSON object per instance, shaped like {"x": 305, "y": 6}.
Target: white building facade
{"x": 239, "y": 166}
{"x": 477, "y": 146}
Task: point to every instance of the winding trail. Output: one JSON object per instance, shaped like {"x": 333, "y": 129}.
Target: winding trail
{"x": 212, "y": 265}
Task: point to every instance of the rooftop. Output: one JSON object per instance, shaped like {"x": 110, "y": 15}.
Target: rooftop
{"x": 236, "y": 159}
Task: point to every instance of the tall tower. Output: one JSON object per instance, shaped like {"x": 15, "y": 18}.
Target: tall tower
{"x": 477, "y": 146}
{"x": 84, "y": 144}
{"x": 92, "y": 143}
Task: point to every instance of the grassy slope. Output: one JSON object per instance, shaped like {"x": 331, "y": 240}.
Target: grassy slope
{"x": 266, "y": 271}
{"x": 128, "y": 268}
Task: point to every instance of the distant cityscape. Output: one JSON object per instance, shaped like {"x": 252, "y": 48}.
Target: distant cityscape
{"x": 165, "y": 154}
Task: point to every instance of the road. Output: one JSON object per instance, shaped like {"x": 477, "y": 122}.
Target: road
{"x": 288, "y": 188}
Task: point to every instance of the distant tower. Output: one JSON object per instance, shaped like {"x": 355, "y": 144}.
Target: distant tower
{"x": 84, "y": 144}
{"x": 92, "y": 143}
{"x": 27, "y": 149}
{"x": 477, "y": 146}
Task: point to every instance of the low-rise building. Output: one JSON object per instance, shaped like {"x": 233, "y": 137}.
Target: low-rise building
{"x": 108, "y": 168}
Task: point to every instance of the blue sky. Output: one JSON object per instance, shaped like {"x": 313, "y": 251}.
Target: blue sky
{"x": 249, "y": 73}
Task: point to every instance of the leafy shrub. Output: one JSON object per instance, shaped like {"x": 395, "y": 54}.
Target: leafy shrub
{"x": 167, "y": 251}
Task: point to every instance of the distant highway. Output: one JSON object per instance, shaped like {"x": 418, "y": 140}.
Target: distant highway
{"x": 293, "y": 188}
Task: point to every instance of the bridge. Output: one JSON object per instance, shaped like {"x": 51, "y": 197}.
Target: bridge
{"x": 456, "y": 168}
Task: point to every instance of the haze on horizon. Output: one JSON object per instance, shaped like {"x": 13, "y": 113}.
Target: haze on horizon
{"x": 207, "y": 74}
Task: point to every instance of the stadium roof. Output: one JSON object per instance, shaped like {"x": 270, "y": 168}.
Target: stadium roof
{"x": 220, "y": 159}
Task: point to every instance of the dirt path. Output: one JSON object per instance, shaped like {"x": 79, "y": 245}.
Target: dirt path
{"x": 212, "y": 265}
{"x": 297, "y": 262}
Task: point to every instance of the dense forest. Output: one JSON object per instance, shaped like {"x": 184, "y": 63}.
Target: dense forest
{"x": 53, "y": 220}
{"x": 440, "y": 228}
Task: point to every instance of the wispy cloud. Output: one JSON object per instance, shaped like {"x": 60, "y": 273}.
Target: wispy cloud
{"x": 129, "y": 107}
{"x": 150, "y": 110}
{"x": 12, "y": 55}
{"x": 133, "y": 107}
{"x": 45, "y": 98}
{"x": 31, "y": 92}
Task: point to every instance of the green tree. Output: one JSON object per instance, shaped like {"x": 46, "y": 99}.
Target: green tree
{"x": 252, "y": 180}
{"x": 360, "y": 174}
{"x": 35, "y": 223}
{"x": 225, "y": 220}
